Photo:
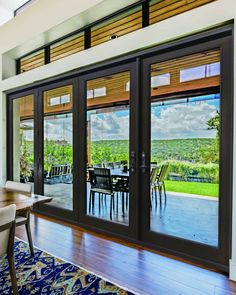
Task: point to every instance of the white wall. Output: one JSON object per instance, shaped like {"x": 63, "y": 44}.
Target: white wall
{"x": 196, "y": 20}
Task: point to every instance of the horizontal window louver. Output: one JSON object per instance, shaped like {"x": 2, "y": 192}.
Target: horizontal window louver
{"x": 161, "y": 10}
{"x": 67, "y": 47}
{"x": 32, "y": 61}
{"x": 116, "y": 27}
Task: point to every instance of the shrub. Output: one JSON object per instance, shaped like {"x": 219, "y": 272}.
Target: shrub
{"x": 187, "y": 169}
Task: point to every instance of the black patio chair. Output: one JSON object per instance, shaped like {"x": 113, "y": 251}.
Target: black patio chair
{"x": 101, "y": 183}
{"x": 160, "y": 181}
{"x": 153, "y": 180}
{"x": 121, "y": 185}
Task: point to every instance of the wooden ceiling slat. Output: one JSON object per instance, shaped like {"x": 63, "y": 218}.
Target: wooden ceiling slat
{"x": 188, "y": 62}
{"x": 32, "y": 58}
{"x": 25, "y": 69}
{"x": 137, "y": 23}
{"x": 67, "y": 45}
{"x": 59, "y": 56}
{"x": 33, "y": 63}
{"x": 48, "y": 109}
{"x": 67, "y": 49}
{"x": 174, "y": 9}
{"x": 116, "y": 23}
{"x": 66, "y": 53}
{"x": 119, "y": 33}
{"x": 161, "y": 4}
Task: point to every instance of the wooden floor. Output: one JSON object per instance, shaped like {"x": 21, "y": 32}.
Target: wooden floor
{"x": 128, "y": 265}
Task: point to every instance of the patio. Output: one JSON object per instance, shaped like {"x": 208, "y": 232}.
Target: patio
{"x": 190, "y": 217}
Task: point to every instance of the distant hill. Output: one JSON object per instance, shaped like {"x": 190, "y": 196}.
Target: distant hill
{"x": 176, "y": 149}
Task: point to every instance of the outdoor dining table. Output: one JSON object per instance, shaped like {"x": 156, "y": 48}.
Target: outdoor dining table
{"x": 23, "y": 201}
{"x": 117, "y": 172}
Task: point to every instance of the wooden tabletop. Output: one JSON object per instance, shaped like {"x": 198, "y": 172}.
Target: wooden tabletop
{"x": 23, "y": 201}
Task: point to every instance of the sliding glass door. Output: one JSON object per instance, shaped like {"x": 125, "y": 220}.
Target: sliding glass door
{"x": 184, "y": 135}
{"x": 140, "y": 148}
{"x": 22, "y": 137}
{"x": 58, "y": 146}
{"x": 109, "y": 156}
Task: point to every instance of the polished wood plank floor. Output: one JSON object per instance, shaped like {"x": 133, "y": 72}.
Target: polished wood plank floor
{"x": 128, "y": 265}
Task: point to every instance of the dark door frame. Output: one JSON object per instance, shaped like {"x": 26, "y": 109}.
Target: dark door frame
{"x": 10, "y": 99}
{"x": 220, "y": 255}
{"x": 48, "y": 209}
{"x": 219, "y": 34}
{"x": 80, "y": 178}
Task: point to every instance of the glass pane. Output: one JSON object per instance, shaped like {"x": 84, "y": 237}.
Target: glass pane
{"x": 164, "y": 9}
{"x": 23, "y": 139}
{"x": 117, "y": 26}
{"x": 32, "y": 61}
{"x": 67, "y": 47}
{"x": 108, "y": 147}
{"x": 185, "y": 143}
{"x": 58, "y": 159}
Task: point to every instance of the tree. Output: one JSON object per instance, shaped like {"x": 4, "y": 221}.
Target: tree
{"x": 214, "y": 123}
{"x": 210, "y": 153}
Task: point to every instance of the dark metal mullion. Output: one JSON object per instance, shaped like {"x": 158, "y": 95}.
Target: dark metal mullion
{"x": 9, "y": 138}
{"x": 145, "y": 139}
{"x": 39, "y": 140}
{"x": 145, "y": 14}
{"x": 47, "y": 55}
{"x": 226, "y": 151}
{"x": 81, "y": 147}
{"x": 36, "y": 137}
{"x": 135, "y": 140}
{"x": 87, "y": 38}
{"x": 76, "y": 151}
{"x": 18, "y": 66}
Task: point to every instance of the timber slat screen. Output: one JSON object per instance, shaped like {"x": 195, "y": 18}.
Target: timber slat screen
{"x": 32, "y": 61}
{"x": 161, "y": 10}
{"x": 116, "y": 27}
{"x": 67, "y": 47}
{"x": 109, "y": 28}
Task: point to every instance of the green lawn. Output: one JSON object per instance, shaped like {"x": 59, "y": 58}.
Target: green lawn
{"x": 205, "y": 189}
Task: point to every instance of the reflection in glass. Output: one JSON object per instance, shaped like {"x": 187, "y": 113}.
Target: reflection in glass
{"x": 23, "y": 139}
{"x": 58, "y": 160}
{"x": 185, "y": 144}
{"x": 108, "y": 147}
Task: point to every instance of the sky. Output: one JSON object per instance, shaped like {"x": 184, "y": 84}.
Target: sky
{"x": 170, "y": 121}
{"x": 179, "y": 120}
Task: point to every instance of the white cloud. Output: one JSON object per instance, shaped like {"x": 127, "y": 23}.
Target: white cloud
{"x": 59, "y": 128}
{"x": 110, "y": 126}
{"x": 169, "y": 122}
{"x": 183, "y": 121}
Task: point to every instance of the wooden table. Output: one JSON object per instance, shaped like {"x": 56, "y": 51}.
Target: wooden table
{"x": 23, "y": 201}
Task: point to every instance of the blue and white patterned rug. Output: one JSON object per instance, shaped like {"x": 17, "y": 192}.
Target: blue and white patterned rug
{"x": 46, "y": 274}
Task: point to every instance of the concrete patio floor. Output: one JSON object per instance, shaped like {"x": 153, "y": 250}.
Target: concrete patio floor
{"x": 190, "y": 217}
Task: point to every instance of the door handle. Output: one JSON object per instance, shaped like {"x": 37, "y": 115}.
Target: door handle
{"x": 144, "y": 167}
{"x": 132, "y": 162}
